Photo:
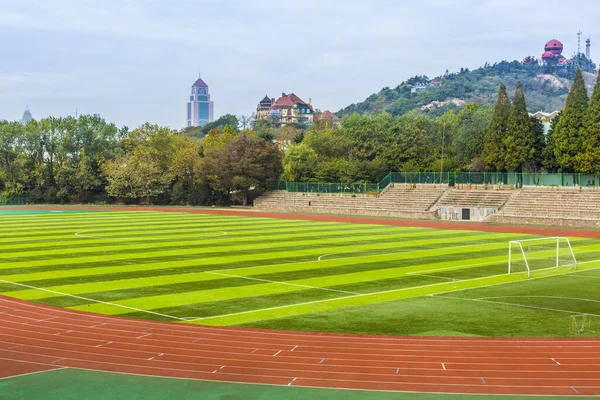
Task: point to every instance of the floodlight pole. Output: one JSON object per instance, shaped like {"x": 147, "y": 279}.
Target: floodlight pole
{"x": 442, "y": 163}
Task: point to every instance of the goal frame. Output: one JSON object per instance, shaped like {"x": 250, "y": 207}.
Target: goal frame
{"x": 522, "y": 251}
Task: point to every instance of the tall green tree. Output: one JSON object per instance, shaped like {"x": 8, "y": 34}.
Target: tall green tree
{"x": 568, "y": 133}
{"x": 519, "y": 142}
{"x": 589, "y": 158}
{"x": 493, "y": 147}
{"x": 244, "y": 163}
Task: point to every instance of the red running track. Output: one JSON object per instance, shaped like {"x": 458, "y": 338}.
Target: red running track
{"x": 36, "y": 337}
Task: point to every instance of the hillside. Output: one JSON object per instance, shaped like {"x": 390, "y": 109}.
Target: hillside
{"x": 546, "y": 90}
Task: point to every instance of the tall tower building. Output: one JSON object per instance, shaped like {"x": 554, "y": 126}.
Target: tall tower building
{"x": 27, "y": 117}
{"x": 588, "y": 45}
{"x": 200, "y": 110}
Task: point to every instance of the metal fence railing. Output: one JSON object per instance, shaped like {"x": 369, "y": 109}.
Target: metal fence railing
{"x": 14, "y": 200}
{"x": 515, "y": 179}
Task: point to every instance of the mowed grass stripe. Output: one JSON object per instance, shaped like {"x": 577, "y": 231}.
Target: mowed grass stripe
{"x": 275, "y": 312}
{"x": 141, "y": 287}
{"x": 233, "y": 236}
{"x": 291, "y": 270}
{"x": 151, "y": 302}
{"x": 211, "y": 240}
{"x": 41, "y": 231}
{"x": 211, "y": 261}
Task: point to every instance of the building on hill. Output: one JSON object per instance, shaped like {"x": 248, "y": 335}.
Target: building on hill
{"x": 328, "y": 116}
{"x": 200, "y": 109}
{"x": 544, "y": 116}
{"x": 263, "y": 108}
{"x": 27, "y": 117}
{"x": 289, "y": 109}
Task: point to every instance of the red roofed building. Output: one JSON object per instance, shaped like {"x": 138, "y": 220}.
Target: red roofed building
{"x": 290, "y": 108}
{"x": 328, "y": 116}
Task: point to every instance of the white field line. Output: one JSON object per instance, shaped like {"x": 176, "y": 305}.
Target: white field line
{"x": 539, "y": 297}
{"x": 379, "y": 293}
{"x": 513, "y": 305}
{"x": 81, "y": 235}
{"x": 350, "y": 258}
{"x": 32, "y": 373}
{"x": 280, "y": 283}
{"x": 91, "y": 300}
{"x": 434, "y": 276}
{"x": 360, "y": 251}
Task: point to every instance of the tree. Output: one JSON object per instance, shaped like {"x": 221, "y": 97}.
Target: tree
{"x": 244, "y": 163}
{"x": 493, "y": 148}
{"x": 589, "y": 158}
{"x": 299, "y": 163}
{"x": 568, "y": 133}
{"x": 519, "y": 142}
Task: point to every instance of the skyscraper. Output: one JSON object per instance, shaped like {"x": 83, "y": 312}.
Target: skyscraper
{"x": 27, "y": 117}
{"x": 199, "y": 109}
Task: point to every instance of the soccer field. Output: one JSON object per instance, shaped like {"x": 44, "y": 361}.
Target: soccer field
{"x": 290, "y": 274}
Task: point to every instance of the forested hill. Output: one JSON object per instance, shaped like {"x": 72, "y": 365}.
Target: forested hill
{"x": 546, "y": 90}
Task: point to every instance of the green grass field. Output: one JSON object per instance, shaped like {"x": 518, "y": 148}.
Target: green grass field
{"x": 290, "y": 274}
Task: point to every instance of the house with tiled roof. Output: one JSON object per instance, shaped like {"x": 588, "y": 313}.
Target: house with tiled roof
{"x": 289, "y": 109}
{"x": 328, "y": 116}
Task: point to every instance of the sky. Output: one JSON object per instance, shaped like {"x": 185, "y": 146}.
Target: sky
{"x": 134, "y": 61}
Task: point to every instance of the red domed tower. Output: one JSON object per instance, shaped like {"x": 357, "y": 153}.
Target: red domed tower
{"x": 554, "y": 46}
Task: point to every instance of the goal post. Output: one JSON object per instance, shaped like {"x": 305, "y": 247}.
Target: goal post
{"x": 530, "y": 255}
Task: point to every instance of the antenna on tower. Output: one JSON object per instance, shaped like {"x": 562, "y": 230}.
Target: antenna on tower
{"x": 579, "y": 33}
{"x": 588, "y": 45}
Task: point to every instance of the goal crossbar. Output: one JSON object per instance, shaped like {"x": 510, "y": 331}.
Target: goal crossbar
{"x": 559, "y": 253}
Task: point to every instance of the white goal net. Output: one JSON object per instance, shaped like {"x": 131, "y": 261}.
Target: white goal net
{"x": 543, "y": 254}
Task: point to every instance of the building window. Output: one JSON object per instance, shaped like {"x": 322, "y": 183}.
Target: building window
{"x": 191, "y": 98}
{"x": 189, "y": 113}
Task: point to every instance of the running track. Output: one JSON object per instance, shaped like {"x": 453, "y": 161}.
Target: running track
{"x": 36, "y": 338}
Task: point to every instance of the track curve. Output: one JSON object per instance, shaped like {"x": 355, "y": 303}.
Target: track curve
{"x": 46, "y": 337}
{"x": 36, "y": 337}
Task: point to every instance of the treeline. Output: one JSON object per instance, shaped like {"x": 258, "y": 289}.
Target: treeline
{"x": 90, "y": 160}
{"x": 60, "y": 160}
{"x": 502, "y": 139}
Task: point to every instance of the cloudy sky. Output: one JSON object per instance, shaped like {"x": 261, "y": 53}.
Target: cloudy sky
{"x": 133, "y": 61}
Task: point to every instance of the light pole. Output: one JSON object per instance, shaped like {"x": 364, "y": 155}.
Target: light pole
{"x": 442, "y": 163}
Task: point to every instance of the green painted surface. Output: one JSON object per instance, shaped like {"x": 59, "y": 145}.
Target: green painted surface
{"x": 72, "y": 384}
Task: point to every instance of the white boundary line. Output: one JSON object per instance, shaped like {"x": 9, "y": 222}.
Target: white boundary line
{"x": 387, "y": 291}
{"x": 281, "y": 283}
{"x": 92, "y": 300}
{"x": 32, "y": 373}
{"x": 513, "y": 304}
{"x": 539, "y": 297}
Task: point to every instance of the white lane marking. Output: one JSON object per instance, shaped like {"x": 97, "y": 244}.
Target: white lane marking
{"x": 277, "y": 353}
{"x": 295, "y": 347}
{"x": 555, "y": 361}
{"x": 444, "y": 366}
{"x": 143, "y": 336}
{"x": 91, "y": 300}
{"x": 217, "y": 370}
{"x": 293, "y": 380}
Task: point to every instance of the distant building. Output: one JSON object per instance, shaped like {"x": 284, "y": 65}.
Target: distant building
{"x": 263, "y": 108}
{"x": 437, "y": 82}
{"x": 544, "y": 116}
{"x": 552, "y": 55}
{"x": 418, "y": 87}
{"x": 27, "y": 117}
{"x": 200, "y": 109}
{"x": 288, "y": 109}
{"x": 328, "y": 116}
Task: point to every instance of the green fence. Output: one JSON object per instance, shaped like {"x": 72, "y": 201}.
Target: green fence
{"x": 452, "y": 178}
{"x": 14, "y": 200}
